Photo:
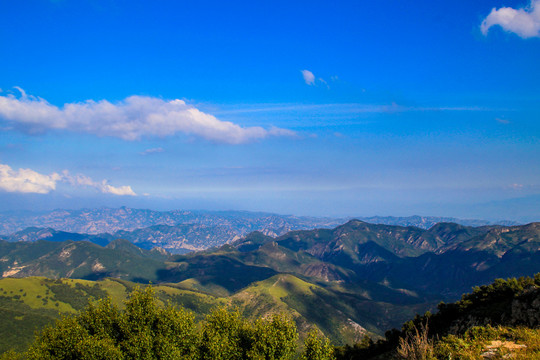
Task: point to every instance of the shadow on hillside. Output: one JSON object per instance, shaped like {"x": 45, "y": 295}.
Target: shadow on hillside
{"x": 215, "y": 270}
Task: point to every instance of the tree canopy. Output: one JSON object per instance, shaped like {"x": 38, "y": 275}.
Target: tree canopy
{"x": 144, "y": 330}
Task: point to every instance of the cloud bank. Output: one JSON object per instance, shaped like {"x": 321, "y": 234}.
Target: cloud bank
{"x": 30, "y": 181}
{"x": 130, "y": 119}
{"x": 524, "y": 22}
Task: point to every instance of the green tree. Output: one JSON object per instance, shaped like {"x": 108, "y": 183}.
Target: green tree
{"x": 273, "y": 338}
{"x": 317, "y": 347}
{"x": 70, "y": 340}
{"x": 223, "y": 336}
{"x": 227, "y": 336}
{"x": 142, "y": 331}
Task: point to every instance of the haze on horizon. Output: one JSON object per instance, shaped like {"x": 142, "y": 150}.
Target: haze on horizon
{"x": 310, "y": 108}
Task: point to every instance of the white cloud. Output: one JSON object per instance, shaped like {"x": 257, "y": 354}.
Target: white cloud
{"x": 524, "y": 22}
{"x": 120, "y": 190}
{"x": 309, "y": 78}
{"x": 103, "y": 186}
{"x": 29, "y": 181}
{"x": 26, "y": 180}
{"x": 130, "y": 119}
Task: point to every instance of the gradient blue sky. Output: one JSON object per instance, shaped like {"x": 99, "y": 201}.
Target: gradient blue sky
{"x": 405, "y": 108}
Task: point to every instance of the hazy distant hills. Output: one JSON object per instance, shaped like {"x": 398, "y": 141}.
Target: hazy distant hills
{"x": 365, "y": 277}
{"x": 107, "y": 220}
{"x": 426, "y": 222}
{"x": 110, "y": 220}
{"x": 176, "y": 231}
{"x": 174, "y": 239}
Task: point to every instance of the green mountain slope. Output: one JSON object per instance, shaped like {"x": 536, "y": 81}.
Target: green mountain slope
{"x": 499, "y": 253}
{"x": 447, "y": 259}
{"x": 364, "y": 276}
{"x": 80, "y": 259}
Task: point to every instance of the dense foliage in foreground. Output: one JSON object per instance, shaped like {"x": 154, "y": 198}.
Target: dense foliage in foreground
{"x": 493, "y": 320}
{"x": 143, "y": 330}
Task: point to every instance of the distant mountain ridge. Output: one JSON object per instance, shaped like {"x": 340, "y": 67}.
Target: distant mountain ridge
{"x": 177, "y": 231}
{"x": 177, "y": 239}
{"x": 426, "y": 222}
{"x": 110, "y": 220}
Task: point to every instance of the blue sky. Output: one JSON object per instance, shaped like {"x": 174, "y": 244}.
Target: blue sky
{"x": 311, "y": 108}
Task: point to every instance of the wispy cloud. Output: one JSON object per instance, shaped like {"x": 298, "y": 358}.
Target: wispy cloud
{"x": 525, "y": 22}
{"x": 30, "y": 181}
{"x": 130, "y": 119}
{"x": 349, "y": 108}
{"x": 152, "y": 151}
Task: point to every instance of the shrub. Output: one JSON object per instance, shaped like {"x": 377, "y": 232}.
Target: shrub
{"x": 416, "y": 345}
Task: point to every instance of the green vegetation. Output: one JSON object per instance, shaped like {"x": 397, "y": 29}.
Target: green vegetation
{"x": 493, "y": 320}
{"x": 317, "y": 348}
{"x": 47, "y": 300}
{"x": 495, "y": 342}
{"x": 151, "y": 323}
{"x": 477, "y": 343}
{"x": 145, "y": 330}
{"x": 350, "y": 281}
{"x": 76, "y": 296}
{"x": 102, "y": 331}
{"x": 416, "y": 346}
{"x": 504, "y": 302}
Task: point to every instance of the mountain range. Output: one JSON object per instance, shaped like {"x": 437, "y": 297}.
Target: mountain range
{"x": 177, "y": 231}
{"x": 361, "y": 277}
